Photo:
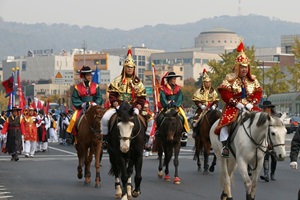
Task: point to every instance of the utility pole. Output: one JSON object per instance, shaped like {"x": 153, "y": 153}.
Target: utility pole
{"x": 84, "y": 48}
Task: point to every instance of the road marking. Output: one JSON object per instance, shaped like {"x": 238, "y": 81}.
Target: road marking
{"x": 69, "y": 152}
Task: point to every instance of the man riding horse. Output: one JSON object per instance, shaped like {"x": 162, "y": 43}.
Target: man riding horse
{"x": 126, "y": 87}
{"x": 171, "y": 96}
{"x": 205, "y": 98}
{"x": 84, "y": 94}
{"x": 240, "y": 89}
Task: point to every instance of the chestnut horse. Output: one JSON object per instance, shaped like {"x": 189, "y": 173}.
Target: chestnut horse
{"x": 170, "y": 132}
{"x": 89, "y": 142}
{"x": 125, "y": 148}
{"x": 202, "y": 140}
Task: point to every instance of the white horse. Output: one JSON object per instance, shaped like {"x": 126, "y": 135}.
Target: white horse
{"x": 254, "y": 133}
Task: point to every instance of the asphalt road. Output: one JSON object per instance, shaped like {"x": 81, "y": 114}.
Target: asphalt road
{"x": 52, "y": 175}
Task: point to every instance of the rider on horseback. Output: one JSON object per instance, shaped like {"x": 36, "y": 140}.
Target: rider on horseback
{"x": 238, "y": 90}
{"x": 84, "y": 93}
{"x": 171, "y": 95}
{"x": 205, "y": 98}
{"x": 126, "y": 87}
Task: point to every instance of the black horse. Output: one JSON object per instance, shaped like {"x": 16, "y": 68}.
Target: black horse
{"x": 202, "y": 140}
{"x": 170, "y": 132}
{"x": 125, "y": 148}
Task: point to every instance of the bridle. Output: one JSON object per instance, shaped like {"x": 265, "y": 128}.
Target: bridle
{"x": 131, "y": 119}
{"x": 94, "y": 131}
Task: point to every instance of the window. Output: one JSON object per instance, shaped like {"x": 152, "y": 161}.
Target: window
{"x": 197, "y": 60}
{"x": 103, "y": 61}
{"x": 181, "y": 69}
{"x": 23, "y": 66}
{"x": 205, "y": 61}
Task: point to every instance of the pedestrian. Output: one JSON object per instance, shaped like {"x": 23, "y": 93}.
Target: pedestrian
{"x": 270, "y": 109}
{"x": 150, "y": 117}
{"x": 14, "y": 128}
{"x": 2, "y": 136}
{"x": 52, "y": 126}
{"x": 30, "y": 137}
{"x": 42, "y": 121}
{"x": 239, "y": 90}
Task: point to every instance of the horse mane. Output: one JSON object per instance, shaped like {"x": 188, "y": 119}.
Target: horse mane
{"x": 263, "y": 117}
{"x": 172, "y": 112}
{"x": 125, "y": 111}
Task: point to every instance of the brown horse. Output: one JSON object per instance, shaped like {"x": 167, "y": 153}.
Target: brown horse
{"x": 202, "y": 140}
{"x": 89, "y": 142}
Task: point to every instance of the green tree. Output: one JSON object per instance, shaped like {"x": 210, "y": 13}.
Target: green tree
{"x": 295, "y": 70}
{"x": 3, "y": 101}
{"x": 277, "y": 82}
{"x": 188, "y": 92}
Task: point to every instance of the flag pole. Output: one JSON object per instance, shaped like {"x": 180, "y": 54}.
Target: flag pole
{"x": 154, "y": 88}
{"x": 13, "y": 93}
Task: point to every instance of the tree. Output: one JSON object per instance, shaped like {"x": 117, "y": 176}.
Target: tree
{"x": 188, "y": 92}
{"x": 295, "y": 70}
{"x": 277, "y": 83}
{"x": 3, "y": 101}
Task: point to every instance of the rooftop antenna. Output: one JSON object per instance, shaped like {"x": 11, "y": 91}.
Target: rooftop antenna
{"x": 84, "y": 48}
{"x": 240, "y": 8}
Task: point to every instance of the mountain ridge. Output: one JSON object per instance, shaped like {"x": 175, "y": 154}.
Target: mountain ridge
{"x": 17, "y": 38}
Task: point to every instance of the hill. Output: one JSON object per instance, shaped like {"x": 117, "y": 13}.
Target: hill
{"x": 18, "y": 38}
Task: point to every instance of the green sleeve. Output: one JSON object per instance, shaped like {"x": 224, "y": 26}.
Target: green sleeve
{"x": 179, "y": 99}
{"x": 163, "y": 99}
{"x": 76, "y": 100}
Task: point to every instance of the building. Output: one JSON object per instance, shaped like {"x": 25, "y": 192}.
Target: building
{"x": 287, "y": 43}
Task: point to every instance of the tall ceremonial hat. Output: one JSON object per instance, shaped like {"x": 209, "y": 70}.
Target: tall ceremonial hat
{"x": 205, "y": 76}
{"x": 85, "y": 70}
{"x": 129, "y": 62}
{"x": 15, "y": 108}
{"x": 242, "y": 58}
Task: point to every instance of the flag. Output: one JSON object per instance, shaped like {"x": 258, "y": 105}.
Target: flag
{"x": 96, "y": 76}
{"x": 156, "y": 90}
{"x": 22, "y": 101}
{"x": 8, "y": 85}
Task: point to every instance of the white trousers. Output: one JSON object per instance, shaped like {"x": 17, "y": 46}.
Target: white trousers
{"x": 149, "y": 127}
{"x": 42, "y": 146}
{"x": 53, "y": 135}
{"x": 29, "y": 147}
{"x": 224, "y": 133}
{"x": 104, "y": 121}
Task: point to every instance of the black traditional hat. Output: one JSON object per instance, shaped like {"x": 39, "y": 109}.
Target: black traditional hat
{"x": 85, "y": 70}
{"x": 14, "y": 108}
{"x": 267, "y": 104}
{"x": 172, "y": 75}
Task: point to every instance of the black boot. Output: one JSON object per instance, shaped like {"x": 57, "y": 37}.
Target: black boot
{"x": 225, "y": 150}
{"x": 105, "y": 142}
{"x": 273, "y": 177}
{"x": 266, "y": 170}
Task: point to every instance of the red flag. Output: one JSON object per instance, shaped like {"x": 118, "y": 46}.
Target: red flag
{"x": 47, "y": 106}
{"x": 8, "y": 85}
{"x": 40, "y": 105}
{"x": 22, "y": 101}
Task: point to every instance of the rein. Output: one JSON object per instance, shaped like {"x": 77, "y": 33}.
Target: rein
{"x": 131, "y": 137}
{"x": 93, "y": 130}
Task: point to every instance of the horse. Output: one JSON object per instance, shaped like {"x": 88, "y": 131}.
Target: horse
{"x": 170, "y": 132}
{"x": 254, "y": 131}
{"x": 202, "y": 140}
{"x": 89, "y": 142}
{"x": 125, "y": 149}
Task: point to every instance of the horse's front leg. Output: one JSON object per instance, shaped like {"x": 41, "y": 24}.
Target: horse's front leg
{"x": 243, "y": 168}
{"x": 138, "y": 176}
{"x": 176, "y": 163}
{"x": 255, "y": 175}
{"x": 80, "y": 161}
{"x": 206, "y": 156}
{"x": 87, "y": 170}
{"x": 118, "y": 194}
{"x": 97, "y": 163}
{"x": 197, "y": 152}
{"x": 168, "y": 149}
{"x": 124, "y": 177}
{"x": 213, "y": 164}
{"x": 159, "y": 153}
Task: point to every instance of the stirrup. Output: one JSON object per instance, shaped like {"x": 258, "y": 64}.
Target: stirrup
{"x": 225, "y": 152}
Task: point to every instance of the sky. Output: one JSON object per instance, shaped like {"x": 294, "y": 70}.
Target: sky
{"x": 130, "y": 14}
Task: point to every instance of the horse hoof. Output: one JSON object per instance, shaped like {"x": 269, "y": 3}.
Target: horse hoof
{"x": 177, "y": 180}
{"x": 167, "y": 178}
{"x": 211, "y": 169}
{"x": 79, "y": 176}
{"x": 118, "y": 196}
{"x": 205, "y": 172}
{"x": 160, "y": 174}
{"x": 135, "y": 193}
{"x": 199, "y": 169}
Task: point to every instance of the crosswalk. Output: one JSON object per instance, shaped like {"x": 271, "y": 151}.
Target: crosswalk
{"x": 4, "y": 194}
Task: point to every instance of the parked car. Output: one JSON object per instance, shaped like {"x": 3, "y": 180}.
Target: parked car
{"x": 291, "y": 123}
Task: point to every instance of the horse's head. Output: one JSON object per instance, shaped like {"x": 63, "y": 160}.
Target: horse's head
{"x": 276, "y": 137}
{"x": 125, "y": 124}
{"x": 171, "y": 123}
{"x": 94, "y": 115}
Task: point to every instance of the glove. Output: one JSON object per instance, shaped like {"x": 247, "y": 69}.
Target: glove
{"x": 213, "y": 107}
{"x": 240, "y": 106}
{"x": 199, "y": 105}
{"x": 203, "y": 107}
{"x": 136, "y": 111}
{"x": 294, "y": 165}
{"x": 83, "y": 105}
{"x": 249, "y": 106}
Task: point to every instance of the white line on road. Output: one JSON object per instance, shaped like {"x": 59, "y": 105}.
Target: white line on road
{"x": 69, "y": 152}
